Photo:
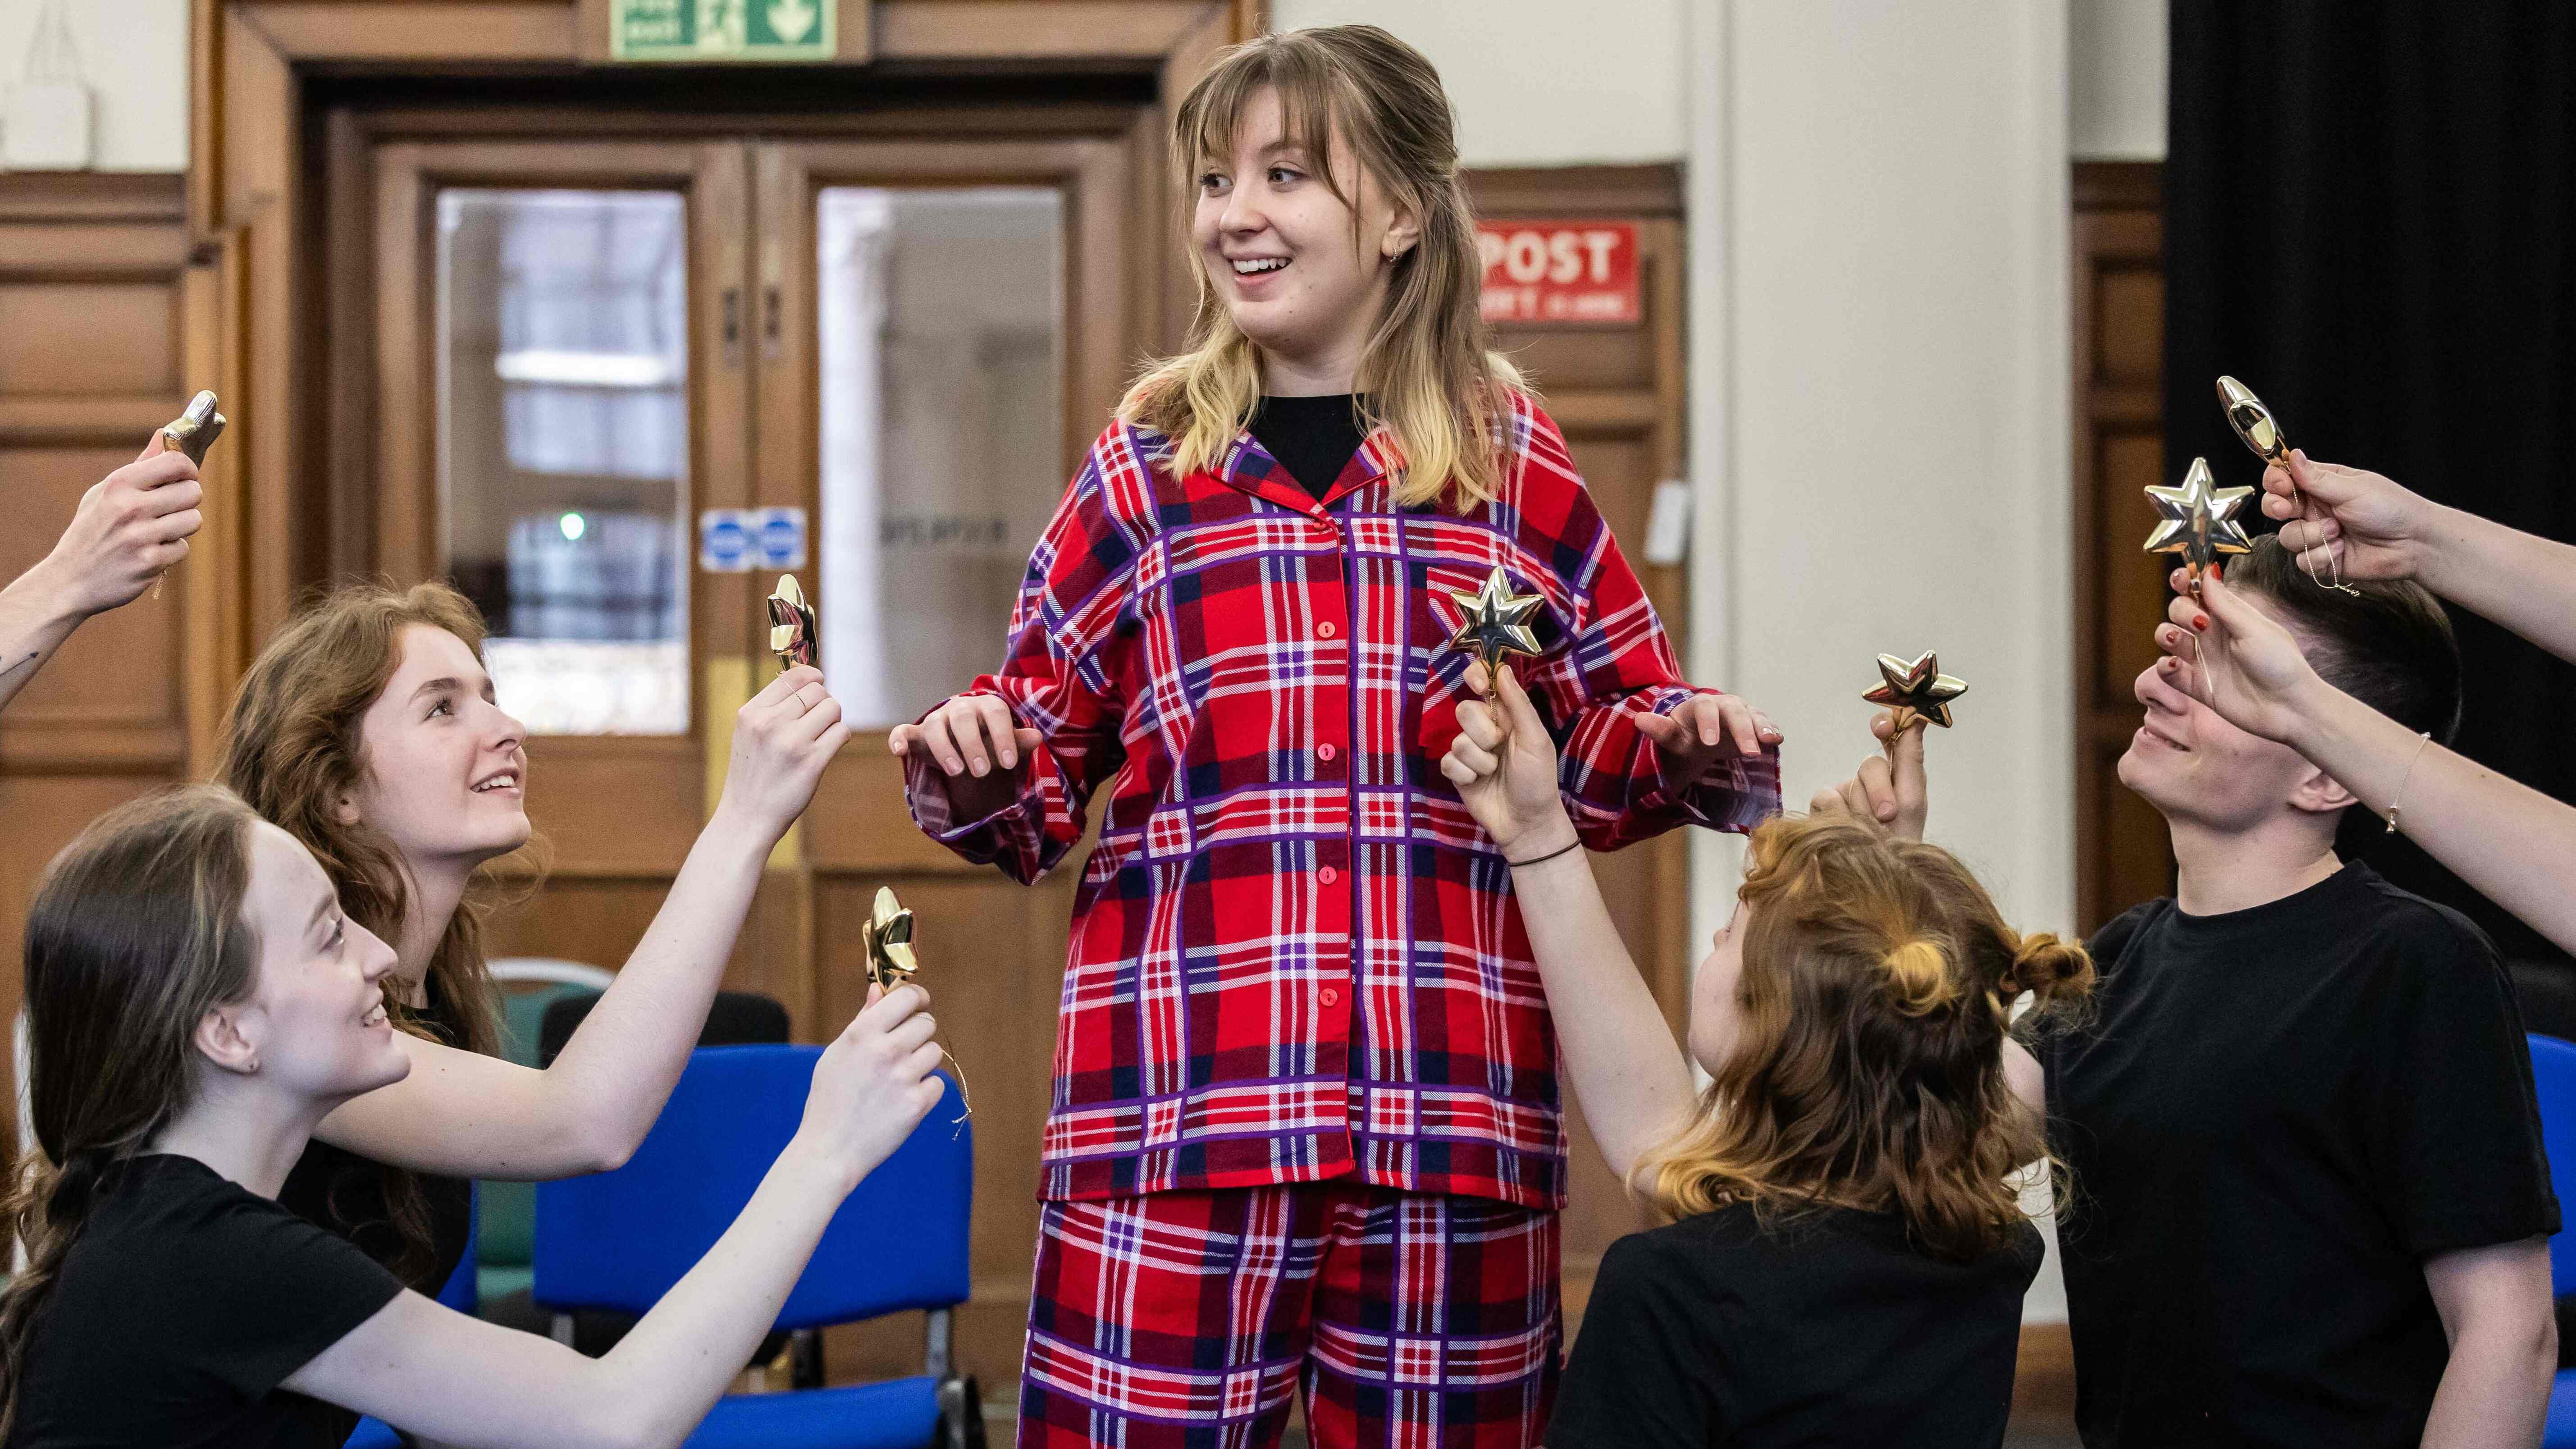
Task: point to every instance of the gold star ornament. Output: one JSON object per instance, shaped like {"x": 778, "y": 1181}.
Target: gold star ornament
{"x": 2261, "y": 432}
{"x": 1916, "y": 688}
{"x": 1497, "y": 622}
{"x": 886, "y": 937}
{"x": 792, "y": 635}
{"x": 2194, "y": 520}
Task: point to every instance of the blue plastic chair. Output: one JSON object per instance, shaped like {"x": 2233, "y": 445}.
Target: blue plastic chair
{"x": 459, "y": 1294}
{"x": 620, "y": 1240}
{"x": 2553, "y": 1078}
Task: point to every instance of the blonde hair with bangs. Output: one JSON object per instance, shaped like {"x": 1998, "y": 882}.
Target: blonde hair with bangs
{"x": 1428, "y": 372}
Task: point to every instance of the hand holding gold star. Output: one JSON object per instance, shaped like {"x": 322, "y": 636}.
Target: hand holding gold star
{"x": 1497, "y": 622}
{"x": 1916, "y": 689}
{"x": 2195, "y": 521}
{"x": 885, "y": 944}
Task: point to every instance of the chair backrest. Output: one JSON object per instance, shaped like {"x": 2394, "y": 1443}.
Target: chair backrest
{"x": 553, "y": 969}
{"x": 2553, "y": 1080}
{"x": 620, "y": 1239}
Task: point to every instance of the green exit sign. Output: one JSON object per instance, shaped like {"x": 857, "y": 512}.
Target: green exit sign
{"x": 722, "y": 30}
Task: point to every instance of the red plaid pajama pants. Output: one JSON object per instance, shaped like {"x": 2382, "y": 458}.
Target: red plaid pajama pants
{"x": 1186, "y": 1320}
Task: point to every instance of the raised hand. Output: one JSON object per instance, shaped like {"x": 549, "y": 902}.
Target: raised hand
{"x": 130, "y": 528}
{"x": 2363, "y": 523}
{"x": 1504, "y": 766}
{"x": 1890, "y": 787}
{"x": 782, "y": 739}
{"x": 873, "y": 1084}
{"x": 973, "y": 740}
{"x": 2237, "y": 660}
{"x": 1705, "y": 729}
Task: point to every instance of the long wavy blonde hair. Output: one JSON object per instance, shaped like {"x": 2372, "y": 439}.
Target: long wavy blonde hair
{"x": 1877, "y": 991}
{"x": 1429, "y": 374}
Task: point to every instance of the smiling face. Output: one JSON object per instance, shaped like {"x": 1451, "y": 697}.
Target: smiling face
{"x": 445, "y": 777}
{"x": 1282, "y": 252}
{"x": 315, "y": 1023}
{"x": 1716, "y": 1017}
{"x": 2198, "y": 769}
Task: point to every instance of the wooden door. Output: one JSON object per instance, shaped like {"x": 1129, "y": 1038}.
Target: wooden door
{"x": 1616, "y": 390}
{"x": 563, "y": 375}
{"x": 943, "y": 330}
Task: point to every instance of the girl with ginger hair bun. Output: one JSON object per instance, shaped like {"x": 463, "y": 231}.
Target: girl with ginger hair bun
{"x": 1300, "y": 1045}
{"x": 368, "y": 730}
{"x": 1851, "y": 1247}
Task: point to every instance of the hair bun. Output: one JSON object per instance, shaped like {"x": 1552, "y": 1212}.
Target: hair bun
{"x": 2051, "y": 969}
{"x": 1919, "y": 980}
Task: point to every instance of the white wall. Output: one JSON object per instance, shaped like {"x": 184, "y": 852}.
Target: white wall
{"x": 1540, "y": 82}
{"x": 2116, "y": 68}
{"x": 134, "y": 57}
{"x": 1879, "y": 382}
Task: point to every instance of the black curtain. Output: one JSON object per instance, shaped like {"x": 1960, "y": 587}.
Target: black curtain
{"x": 2370, "y": 219}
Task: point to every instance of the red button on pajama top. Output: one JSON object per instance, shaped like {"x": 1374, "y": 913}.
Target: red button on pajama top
{"x": 1263, "y": 680}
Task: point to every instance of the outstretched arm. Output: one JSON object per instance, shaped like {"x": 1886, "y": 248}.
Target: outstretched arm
{"x": 460, "y": 1380}
{"x": 467, "y": 1115}
{"x": 130, "y": 527}
{"x": 2367, "y": 526}
{"x": 1629, "y": 1077}
{"x": 2511, "y": 843}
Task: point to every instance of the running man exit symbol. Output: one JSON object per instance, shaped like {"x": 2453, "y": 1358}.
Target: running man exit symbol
{"x": 722, "y": 31}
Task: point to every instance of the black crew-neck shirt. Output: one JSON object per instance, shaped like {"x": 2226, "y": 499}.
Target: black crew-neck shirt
{"x": 2274, "y": 1117}
{"x": 184, "y": 1303}
{"x": 1825, "y": 1328}
{"x": 336, "y": 1189}
{"x": 1314, "y": 438}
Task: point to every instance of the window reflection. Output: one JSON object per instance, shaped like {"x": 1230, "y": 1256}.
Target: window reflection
{"x": 564, "y": 445}
{"x": 942, "y": 417}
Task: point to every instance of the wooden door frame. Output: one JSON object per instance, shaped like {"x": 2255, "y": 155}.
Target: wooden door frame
{"x": 258, "y": 320}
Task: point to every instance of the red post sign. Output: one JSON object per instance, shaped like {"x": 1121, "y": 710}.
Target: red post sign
{"x": 1559, "y": 271}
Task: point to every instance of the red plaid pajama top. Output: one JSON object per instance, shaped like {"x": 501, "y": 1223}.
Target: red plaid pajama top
{"x": 1294, "y": 954}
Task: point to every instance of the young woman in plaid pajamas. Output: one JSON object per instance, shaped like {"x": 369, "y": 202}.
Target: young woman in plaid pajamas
{"x": 1305, "y": 1132}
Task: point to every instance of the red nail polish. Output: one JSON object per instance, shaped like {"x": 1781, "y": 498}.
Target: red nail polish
{"x": 2200, "y": 621}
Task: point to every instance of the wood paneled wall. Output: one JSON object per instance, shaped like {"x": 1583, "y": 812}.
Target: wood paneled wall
{"x": 2119, "y": 315}
{"x": 94, "y": 285}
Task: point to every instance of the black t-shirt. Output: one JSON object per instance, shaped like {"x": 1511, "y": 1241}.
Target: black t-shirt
{"x": 345, "y": 1193}
{"x": 1312, "y": 437}
{"x": 180, "y": 1308}
{"x": 1828, "y": 1328}
{"x": 2273, "y": 1119}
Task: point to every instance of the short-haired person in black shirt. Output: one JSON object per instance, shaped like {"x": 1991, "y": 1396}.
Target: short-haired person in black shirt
{"x": 1851, "y": 1253}
{"x": 2309, "y": 1203}
{"x": 196, "y": 1003}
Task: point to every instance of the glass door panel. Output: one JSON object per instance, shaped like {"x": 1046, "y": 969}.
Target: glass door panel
{"x": 563, "y": 404}
{"x": 939, "y": 324}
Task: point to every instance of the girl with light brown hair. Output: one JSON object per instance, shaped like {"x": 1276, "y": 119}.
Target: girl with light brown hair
{"x": 1300, "y": 1049}
{"x": 198, "y": 1003}
{"x": 1850, "y": 1247}
{"x": 368, "y": 730}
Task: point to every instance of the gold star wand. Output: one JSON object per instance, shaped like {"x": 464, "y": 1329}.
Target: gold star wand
{"x": 2261, "y": 432}
{"x": 792, "y": 634}
{"x": 1916, "y": 689}
{"x": 1497, "y": 623}
{"x": 2195, "y": 521}
{"x": 192, "y": 433}
{"x": 885, "y": 938}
